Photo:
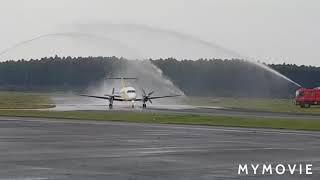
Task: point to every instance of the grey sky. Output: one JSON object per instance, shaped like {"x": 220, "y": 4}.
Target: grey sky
{"x": 273, "y": 31}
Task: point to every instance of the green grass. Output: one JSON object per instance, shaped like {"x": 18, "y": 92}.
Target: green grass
{"x": 19, "y": 100}
{"x": 258, "y": 104}
{"x": 290, "y": 124}
{"x": 16, "y": 104}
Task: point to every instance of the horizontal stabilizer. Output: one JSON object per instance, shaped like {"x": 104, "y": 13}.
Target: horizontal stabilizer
{"x": 124, "y": 78}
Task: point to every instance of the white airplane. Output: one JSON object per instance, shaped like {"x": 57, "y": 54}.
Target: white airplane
{"x": 129, "y": 94}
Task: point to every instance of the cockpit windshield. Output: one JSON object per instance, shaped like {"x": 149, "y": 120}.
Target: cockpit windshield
{"x": 131, "y": 91}
{"x": 299, "y": 93}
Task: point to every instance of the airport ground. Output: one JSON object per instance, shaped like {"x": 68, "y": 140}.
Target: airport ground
{"x": 159, "y": 143}
{"x": 252, "y": 113}
{"x": 253, "y": 104}
{"x": 43, "y": 149}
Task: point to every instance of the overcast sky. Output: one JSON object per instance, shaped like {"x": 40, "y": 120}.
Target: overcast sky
{"x": 274, "y": 31}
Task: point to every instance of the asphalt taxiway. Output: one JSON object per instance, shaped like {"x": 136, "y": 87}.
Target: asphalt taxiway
{"x": 69, "y": 149}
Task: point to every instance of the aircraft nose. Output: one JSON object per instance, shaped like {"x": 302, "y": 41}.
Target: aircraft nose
{"x": 132, "y": 95}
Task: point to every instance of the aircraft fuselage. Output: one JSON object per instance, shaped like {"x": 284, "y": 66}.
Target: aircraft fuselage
{"x": 128, "y": 93}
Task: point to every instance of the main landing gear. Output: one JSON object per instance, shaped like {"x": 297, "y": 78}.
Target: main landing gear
{"x": 111, "y": 98}
{"x": 144, "y": 106}
{"x": 110, "y": 106}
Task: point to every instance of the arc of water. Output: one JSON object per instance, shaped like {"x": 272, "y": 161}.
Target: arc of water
{"x": 176, "y": 34}
{"x": 70, "y": 34}
{"x": 232, "y": 53}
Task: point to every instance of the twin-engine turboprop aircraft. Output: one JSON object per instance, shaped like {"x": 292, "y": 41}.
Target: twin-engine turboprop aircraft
{"x": 129, "y": 94}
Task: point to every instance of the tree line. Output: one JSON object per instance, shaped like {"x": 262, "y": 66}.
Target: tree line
{"x": 204, "y": 77}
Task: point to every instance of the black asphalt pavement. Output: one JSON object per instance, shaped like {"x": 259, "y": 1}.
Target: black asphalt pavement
{"x": 42, "y": 149}
{"x": 235, "y": 113}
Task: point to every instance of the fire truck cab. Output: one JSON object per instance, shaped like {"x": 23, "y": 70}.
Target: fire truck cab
{"x": 307, "y": 97}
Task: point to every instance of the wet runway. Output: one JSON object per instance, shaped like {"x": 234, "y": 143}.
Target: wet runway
{"x": 187, "y": 109}
{"x": 235, "y": 113}
{"x": 68, "y": 149}
{"x": 75, "y": 103}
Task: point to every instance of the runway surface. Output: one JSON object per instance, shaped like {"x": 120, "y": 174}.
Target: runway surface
{"x": 187, "y": 109}
{"x": 67, "y": 149}
{"x": 76, "y": 103}
{"x": 235, "y": 113}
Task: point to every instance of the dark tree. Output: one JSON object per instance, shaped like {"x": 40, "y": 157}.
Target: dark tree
{"x": 204, "y": 77}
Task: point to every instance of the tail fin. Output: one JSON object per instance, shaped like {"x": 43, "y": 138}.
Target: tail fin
{"x": 123, "y": 83}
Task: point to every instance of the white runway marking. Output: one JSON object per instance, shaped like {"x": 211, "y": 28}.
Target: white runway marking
{"x": 26, "y": 178}
{"x": 40, "y": 168}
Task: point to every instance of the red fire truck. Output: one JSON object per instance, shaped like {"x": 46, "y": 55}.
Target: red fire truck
{"x": 307, "y": 97}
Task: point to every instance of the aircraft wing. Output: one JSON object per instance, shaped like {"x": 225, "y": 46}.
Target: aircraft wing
{"x": 114, "y": 95}
{"x": 99, "y": 97}
{"x": 159, "y": 97}
{"x": 116, "y": 98}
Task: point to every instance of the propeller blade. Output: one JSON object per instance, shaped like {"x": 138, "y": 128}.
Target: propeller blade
{"x": 144, "y": 92}
{"x": 150, "y": 101}
{"x": 151, "y": 93}
{"x": 113, "y": 91}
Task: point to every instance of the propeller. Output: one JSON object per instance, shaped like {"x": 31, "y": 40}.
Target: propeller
{"x": 111, "y": 97}
{"x": 146, "y": 97}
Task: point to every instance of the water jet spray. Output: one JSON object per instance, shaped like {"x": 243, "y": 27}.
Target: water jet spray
{"x": 213, "y": 50}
